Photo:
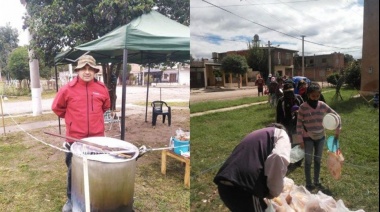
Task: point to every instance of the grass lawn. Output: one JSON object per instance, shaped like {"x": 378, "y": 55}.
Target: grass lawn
{"x": 213, "y": 105}
{"x": 215, "y": 135}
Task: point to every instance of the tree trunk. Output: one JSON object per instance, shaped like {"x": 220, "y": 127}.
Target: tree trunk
{"x": 110, "y": 81}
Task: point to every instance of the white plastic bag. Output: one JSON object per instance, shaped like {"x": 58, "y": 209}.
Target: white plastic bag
{"x": 296, "y": 154}
{"x": 326, "y": 202}
{"x": 300, "y": 196}
{"x": 270, "y": 207}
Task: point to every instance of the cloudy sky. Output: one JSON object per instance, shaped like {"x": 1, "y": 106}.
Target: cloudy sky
{"x": 219, "y": 26}
{"x": 328, "y": 25}
{"x": 11, "y": 12}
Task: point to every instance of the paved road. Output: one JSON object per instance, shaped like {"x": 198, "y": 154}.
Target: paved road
{"x": 133, "y": 95}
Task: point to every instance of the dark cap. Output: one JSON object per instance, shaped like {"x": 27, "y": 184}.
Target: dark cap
{"x": 288, "y": 86}
{"x": 302, "y": 82}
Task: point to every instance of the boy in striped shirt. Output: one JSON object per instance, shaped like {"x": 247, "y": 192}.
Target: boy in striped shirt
{"x": 311, "y": 134}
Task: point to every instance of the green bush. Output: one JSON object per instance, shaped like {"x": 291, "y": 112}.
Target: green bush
{"x": 352, "y": 75}
{"x": 13, "y": 91}
{"x": 333, "y": 78}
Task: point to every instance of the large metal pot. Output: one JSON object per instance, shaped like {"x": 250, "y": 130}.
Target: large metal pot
{"x": 111, "y": 179}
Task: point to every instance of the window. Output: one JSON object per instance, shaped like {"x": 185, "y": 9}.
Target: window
{"x": 287, "y": 55}
{"x": 324, "y": 60}
{"x": 311, "y": 63}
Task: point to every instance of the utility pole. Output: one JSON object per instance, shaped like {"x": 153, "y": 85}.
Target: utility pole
{"x": 314, "y": 67}
{"x": 269, "y": 60}
{"x": 34, "y": 76}
{"x": 303, "y": 58}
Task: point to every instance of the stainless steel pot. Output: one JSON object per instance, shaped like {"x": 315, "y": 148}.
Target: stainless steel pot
{"x": 111, "y": 179}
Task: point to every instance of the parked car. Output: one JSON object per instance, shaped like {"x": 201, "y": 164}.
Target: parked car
{"x": 296, "y": 80}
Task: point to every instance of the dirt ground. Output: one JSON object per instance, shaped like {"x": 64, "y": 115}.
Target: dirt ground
{"x": 139, "y": 132}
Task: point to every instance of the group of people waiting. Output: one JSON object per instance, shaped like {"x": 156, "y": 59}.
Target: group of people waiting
{"x": 258, "y": 164}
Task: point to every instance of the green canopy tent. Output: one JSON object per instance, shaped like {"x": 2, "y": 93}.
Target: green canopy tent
{"x": 149, "y": 38}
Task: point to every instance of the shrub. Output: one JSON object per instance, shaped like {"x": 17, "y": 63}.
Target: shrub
{"x": 353, "y": 76}
{"x": 333, "y": 78}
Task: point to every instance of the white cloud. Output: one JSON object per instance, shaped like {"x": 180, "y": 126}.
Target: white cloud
{"x": 12, "y": 12}
{"x": 336, "y": 25}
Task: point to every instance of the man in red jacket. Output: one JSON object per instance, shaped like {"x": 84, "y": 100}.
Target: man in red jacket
{"x": 82, "y": 103}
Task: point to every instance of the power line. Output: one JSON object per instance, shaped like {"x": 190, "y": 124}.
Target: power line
{"x": 285, "y": 3}
{"x": 272, "y": 16}
{"x": 320, "y": 44}
{"x": 308, "y": 53}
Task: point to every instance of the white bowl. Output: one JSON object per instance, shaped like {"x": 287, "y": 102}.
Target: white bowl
{"x": 330, "y": 121}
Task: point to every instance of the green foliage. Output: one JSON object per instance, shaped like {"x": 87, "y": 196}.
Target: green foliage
{"x": 8, "y": 42}
{"x": 18, "y": 64}
{"x": 348, "y": 58}
{"x": 257, "y": 58}
{"x": 58, "y": 24}
{"x": 235, "y": 64}
{"x": 176, "y": 10}
{"x": 333, "y": 78}
{"x": 353, "y": 74}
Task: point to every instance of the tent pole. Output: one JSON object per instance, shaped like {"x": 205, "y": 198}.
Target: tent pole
{"x": 123, "y": 92}
{"x": 147, "y": 92}
{"x": 56, "y": 88}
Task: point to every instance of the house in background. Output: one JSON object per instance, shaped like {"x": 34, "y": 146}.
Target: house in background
{"x": 206, "y": 73}
{"x": 135, "y": 75}
{"x": 370, "y": 53}
{"x": 281, "y": 60}
{"x": 319, "y": 67}
{"x": 177, "y": 75}
{"x": 203, "y": 74}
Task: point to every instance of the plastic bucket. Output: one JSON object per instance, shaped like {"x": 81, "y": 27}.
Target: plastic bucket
{"x": 180, "y": 146}
{"x": 332, "y": 144}
{"x": 330, "y": 121}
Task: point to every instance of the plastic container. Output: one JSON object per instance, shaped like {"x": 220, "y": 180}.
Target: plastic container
{"x": 180, "y": 147}
{"x": 332, "y": 144}
{"x": 330, "y": 121}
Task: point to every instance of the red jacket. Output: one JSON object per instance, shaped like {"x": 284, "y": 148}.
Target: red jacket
{"x": 82, "y": 105}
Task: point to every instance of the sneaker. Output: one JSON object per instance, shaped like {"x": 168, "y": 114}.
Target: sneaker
{"x": 67, "y": 207}
{"x": 310, "y": 187}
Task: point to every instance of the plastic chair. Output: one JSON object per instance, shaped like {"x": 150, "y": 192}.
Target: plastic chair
{"x": 158, "y": 109}
{"x": 109, "y": 119}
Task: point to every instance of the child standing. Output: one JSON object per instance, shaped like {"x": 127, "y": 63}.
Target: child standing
{"x": 311, "y": 134}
